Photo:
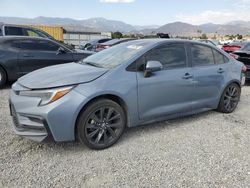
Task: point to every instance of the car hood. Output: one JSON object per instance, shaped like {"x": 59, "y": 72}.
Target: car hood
{"x": 61, "y": 75}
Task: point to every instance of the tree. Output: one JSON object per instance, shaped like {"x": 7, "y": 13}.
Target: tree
{"x": 203, "y": 36}
{"x": 117, "y": 35}
{"x": 239, "y": 37}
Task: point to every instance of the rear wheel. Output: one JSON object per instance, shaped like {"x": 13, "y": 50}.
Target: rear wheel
{"x": 229, "y": 99}
{"x": 101, "y": 124}
{"x": 3, "y": 77}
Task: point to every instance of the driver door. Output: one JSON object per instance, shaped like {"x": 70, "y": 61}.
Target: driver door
{"x": 37, "y": 53}
{"x": 170, "y": 90}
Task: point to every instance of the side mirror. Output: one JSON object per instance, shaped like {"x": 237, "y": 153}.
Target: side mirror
{"x": 61, "y": 51}
{"x": 152, "y": 66}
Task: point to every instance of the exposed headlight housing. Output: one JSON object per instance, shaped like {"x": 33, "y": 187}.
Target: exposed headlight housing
{"x": 47, "y": 96}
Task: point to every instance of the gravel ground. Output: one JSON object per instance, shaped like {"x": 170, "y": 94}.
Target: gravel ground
{"x": 205, "y": 150}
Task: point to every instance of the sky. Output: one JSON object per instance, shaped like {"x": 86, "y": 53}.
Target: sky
{"x": 135, "y": 12}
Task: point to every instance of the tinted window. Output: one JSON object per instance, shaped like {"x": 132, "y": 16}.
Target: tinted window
{"x": 218, "y": 57}
{"x": 29, "y": 45}
{"x": 9, "y": 30}
{"x": 38, "y": 45}
{"x": 103, "y": 40}
{"x": 170, "y": 56}
{"x": 48, "y": 46}
{"x": 201, "y": 55}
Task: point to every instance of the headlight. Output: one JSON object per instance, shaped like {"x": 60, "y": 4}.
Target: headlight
{"x": 47, "y": 96}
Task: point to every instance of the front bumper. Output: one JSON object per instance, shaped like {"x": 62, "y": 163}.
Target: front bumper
{"x": 30, "y": 126}
{"x": 54, "y": 121}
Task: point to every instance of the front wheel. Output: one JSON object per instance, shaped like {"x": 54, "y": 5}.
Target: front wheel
{"x": 230, "y": 98}
{"x": 101, "y": 124}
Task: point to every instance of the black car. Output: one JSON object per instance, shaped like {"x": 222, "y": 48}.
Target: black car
{"x": 21, "y": 55}
{"x": 243, "y": 55}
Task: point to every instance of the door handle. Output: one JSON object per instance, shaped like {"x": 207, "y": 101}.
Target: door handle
{"x": 27, "y": 55}
{"x": 220, "y": 70}
{"x": 187, "y": 76}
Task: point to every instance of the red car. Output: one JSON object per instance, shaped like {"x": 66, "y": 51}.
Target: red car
{"x": 232, "y": 47}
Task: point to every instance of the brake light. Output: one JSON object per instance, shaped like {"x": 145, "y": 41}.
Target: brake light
{"x": 234, "y": 56}
{"x": 244, "y": 68}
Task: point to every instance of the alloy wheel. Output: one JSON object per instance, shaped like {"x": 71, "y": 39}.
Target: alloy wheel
{"x": 103, "y": 126}
{"x": 231, "y": 98}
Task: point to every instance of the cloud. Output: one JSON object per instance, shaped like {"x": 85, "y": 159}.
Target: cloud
{"x": 244, "y": 4}
{"x": 117, "y": 1}
{"x": 218, "y": 17}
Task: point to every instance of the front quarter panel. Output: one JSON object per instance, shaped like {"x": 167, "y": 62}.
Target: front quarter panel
{"x": 120, "y": 83}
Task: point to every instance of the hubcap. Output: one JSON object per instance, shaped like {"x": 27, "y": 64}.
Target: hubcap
{"x": 231, "y": 98}
{"x": 103, "y": 126}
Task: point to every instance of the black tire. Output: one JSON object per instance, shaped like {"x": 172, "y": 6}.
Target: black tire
{"x": 230, "y": 98}
{"x": 101, "y": 124}
{"x": 3, "y": 77}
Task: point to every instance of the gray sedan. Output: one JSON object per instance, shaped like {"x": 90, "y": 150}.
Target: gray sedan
{"x": 133, "y": 83}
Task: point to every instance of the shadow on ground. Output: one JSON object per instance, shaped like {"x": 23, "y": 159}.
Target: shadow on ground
{"x": 129, "y": 134}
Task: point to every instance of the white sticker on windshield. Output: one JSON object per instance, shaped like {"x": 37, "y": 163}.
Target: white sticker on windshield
{"x": 135, "y": 47}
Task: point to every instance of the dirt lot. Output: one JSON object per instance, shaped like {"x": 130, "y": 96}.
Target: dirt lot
{"x": 205, "y": 150}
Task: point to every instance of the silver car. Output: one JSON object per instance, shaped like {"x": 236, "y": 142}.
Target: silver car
{"x": 131, "y": 84}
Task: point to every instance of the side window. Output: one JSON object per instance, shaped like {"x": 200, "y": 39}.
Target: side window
{"x": 47, "y": 46}
{"x": 16, "y": 31}
{"x": 28, "y": 45}
{"x": 38, "y": 45}
{"x": 30, "y": 32}
{"x": 171, "y": 56}
{"x": 218, "y": 57}
{"x": 201, "y": 55}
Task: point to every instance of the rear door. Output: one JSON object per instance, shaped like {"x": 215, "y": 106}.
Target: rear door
{"x": 209, "y": 68}
{"x": 38, "y": 53}
{"x": 170, "y": 90}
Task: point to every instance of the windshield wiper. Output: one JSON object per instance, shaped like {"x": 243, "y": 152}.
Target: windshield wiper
{"x": 93, "y": 64}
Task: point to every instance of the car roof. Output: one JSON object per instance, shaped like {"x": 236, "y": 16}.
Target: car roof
{"x": 162, "y": 40}
{"x": 114, "y": 41}
{"x": 16, "y": 25}
{"x": 158, "y": 41}
{"x": 4, "y": 38}
{"x": 7, "y": 38}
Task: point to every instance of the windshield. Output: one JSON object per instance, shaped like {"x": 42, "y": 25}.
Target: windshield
{"x": 116, "y": 55}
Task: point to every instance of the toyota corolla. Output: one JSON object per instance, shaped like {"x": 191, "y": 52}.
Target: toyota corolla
{"x": 131, "y": 84}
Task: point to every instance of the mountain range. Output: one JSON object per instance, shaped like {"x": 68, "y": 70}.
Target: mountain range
{"x": 105, "y": 25}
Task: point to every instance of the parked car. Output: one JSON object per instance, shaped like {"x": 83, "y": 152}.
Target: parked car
{"x": 111, "y": 43}
{"x": 21, "y": 30}
{"x": 21, "y": 55}
{"x": 92, "y": 44}
{"x": 243, "y": 55}
{"x": 234, "y": 46}
{"x": 134, "y": 83}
